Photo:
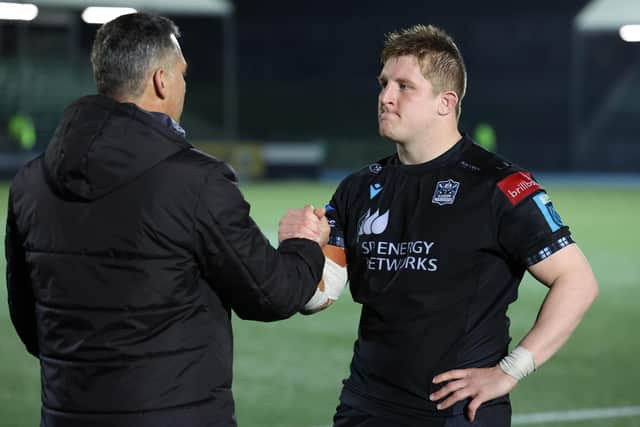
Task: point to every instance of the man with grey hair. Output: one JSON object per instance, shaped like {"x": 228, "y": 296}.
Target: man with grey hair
{"x": 127, "y": 250}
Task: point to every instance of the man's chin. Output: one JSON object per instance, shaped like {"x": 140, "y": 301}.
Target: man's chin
{"x": 386, "y": 134}
{"x": 384, "y": 131}
{"x": 390, "y": 139}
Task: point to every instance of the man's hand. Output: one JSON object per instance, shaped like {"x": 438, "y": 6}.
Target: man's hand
{"x": 305, "y": 223}
{"x": 479, "y": 384}
{"x": 325, "y": 230}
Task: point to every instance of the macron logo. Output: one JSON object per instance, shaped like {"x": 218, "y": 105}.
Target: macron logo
{"x": 518, "y": 186}
{"x": 374, "y": 190}
{"x": 373, "y": 223}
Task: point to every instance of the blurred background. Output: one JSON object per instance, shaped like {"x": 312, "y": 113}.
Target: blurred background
{"x": 286, "y": 92}
{"x": 552, "y": 83}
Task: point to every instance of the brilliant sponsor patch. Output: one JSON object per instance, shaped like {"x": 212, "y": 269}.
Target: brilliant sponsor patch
{"x": 543, "y": 201}
{"x": 518, "y": 186}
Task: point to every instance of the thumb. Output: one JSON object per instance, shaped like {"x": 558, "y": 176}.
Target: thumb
{"x": 319, "y": 212}
{"x": 473, "y": 407}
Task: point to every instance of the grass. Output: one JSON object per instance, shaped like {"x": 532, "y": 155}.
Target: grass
{"x": 288, "y": 374}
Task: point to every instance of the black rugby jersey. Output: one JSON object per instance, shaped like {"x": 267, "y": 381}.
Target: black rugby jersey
{"x": 435, "y": 254}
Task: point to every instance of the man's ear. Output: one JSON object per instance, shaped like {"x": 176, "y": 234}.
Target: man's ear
{"x": 159, "y": 85}
{"x": 448, "y": 102}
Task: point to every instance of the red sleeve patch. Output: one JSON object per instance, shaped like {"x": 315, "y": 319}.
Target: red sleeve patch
{"x": 518, "y": 186}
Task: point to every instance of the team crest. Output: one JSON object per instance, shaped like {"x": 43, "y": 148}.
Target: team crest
{"x": 445, "y": 193}
{"x": 375, "y": 168}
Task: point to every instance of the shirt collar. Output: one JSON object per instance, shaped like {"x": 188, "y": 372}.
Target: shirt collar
{"x": 168, "y": 122}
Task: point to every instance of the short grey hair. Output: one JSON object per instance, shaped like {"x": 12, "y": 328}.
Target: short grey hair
{"x": 126, "y": 49}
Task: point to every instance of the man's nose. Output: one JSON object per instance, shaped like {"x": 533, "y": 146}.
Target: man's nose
{"x": 387, "y": 95}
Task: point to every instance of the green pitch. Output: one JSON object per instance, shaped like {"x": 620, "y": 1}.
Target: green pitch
{"x": 288, "y": 374}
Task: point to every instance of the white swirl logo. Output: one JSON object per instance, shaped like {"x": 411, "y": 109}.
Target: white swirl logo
{"x": 373, "y": 223}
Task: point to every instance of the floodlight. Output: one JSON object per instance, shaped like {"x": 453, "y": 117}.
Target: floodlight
{"x": 18, "y": 11}
{"x": 630, "y": 33}
{"x": 101, "y": 15}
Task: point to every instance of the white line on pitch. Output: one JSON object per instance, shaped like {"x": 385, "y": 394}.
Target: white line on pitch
{"x": 574, "y": 415}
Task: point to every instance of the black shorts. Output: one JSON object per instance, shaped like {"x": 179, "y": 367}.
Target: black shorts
{"x": 498, "y": 415}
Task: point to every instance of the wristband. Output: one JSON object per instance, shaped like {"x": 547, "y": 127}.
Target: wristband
{"x": 335, "y": 278}
{"x": 317, "y": 301}
{"x": 518, "y": 364}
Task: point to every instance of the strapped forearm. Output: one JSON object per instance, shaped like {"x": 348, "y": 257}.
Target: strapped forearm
{"x": 519, "y": 363}
{"x": 334, "y": 280}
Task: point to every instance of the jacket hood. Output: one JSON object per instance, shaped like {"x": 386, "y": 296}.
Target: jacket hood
{"x": 102, "y": 144}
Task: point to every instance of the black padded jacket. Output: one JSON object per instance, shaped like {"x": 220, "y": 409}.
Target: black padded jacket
{"x": 126, "y": 251}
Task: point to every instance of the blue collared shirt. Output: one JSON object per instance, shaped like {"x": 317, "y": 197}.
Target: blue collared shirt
{"x": 165, "y": 120}
{"x": 169, "y": 122}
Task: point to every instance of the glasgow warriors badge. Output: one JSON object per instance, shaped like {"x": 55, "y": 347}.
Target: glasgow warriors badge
{"x": 445, "y": 193}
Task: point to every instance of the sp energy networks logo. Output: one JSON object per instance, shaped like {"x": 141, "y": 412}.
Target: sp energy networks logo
{"x": 446, "y": 192}
{"x": 392, "y": 255}
{"x": 373, "y": 223}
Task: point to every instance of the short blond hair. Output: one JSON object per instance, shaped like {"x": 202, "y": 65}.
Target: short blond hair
{"x": 440, "y": 59}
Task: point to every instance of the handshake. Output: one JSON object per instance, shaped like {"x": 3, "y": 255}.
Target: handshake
{"x": 306, "y": 223}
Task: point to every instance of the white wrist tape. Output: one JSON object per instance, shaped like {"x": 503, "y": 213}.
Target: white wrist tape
{"x": 519, "y": 363}
{"x": 317, "y": 301}
{"x": 335, "y": 278}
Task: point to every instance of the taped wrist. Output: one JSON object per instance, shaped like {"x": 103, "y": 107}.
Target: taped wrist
{"x": 518, "y": 364}
{"x": 317, "y": 301}
{"x": 335, "y": 278}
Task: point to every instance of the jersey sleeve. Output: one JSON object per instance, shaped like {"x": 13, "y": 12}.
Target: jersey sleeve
{"x": 529, "y": 227}
{"x": 334, "y": 210}
{"x": 336, "y": 236}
